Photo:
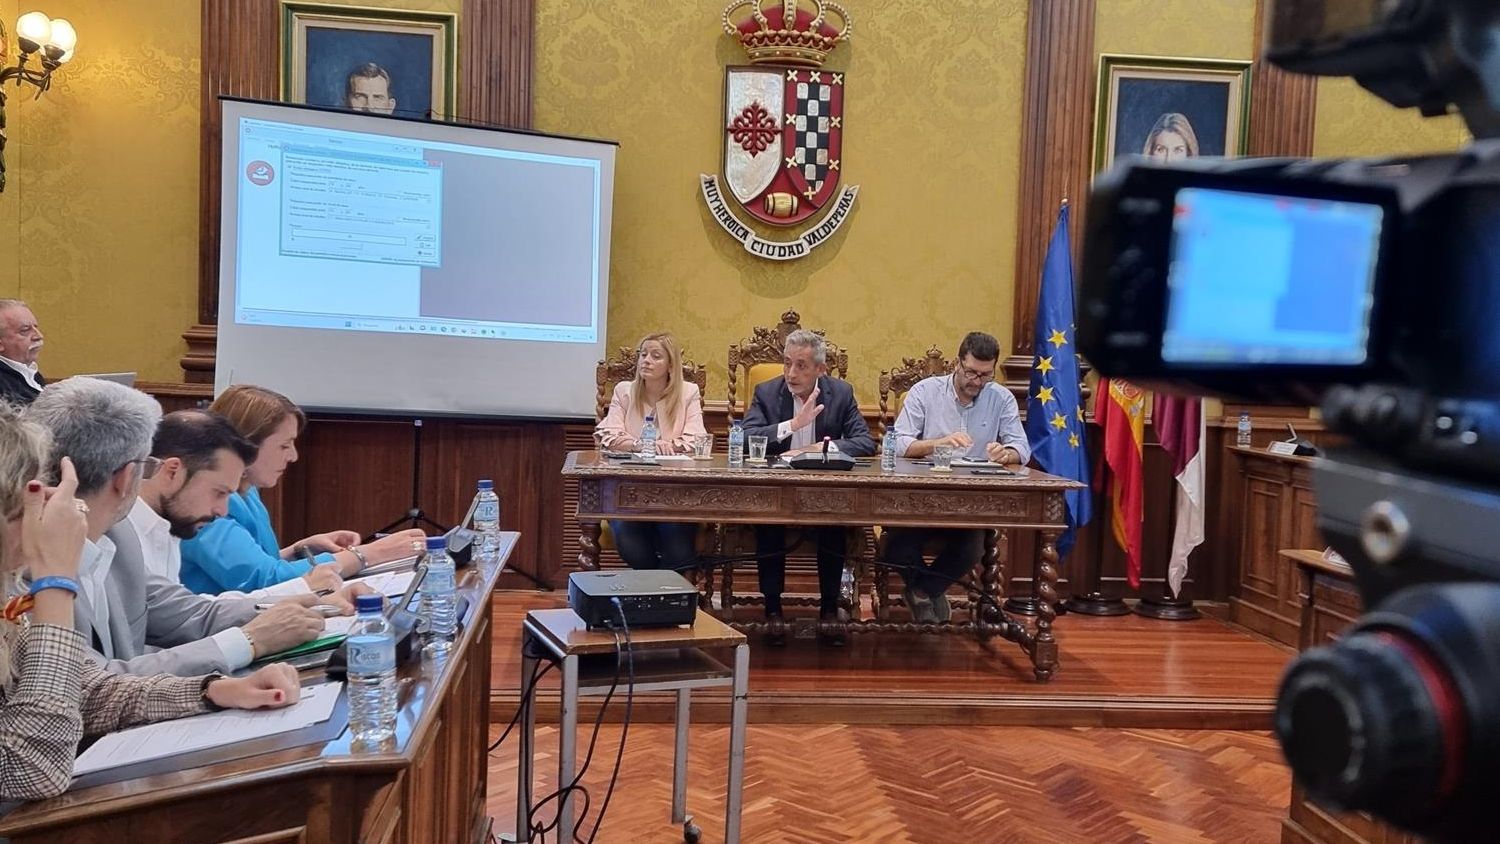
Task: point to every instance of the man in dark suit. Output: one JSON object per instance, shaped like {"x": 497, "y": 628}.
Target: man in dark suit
{"x": 795, "y": 413}
{"x": 20, "y": 341}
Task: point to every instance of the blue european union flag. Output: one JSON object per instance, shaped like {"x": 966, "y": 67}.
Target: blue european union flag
{"x": 1054, "y": 406}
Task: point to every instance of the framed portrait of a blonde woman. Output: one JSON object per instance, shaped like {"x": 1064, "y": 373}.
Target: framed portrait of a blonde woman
{"x": 384, "y": 61}
{"x": 1170, "y": 108}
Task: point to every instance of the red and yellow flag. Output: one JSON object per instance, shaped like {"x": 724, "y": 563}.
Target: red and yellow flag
{"x": 1121, "y": 413}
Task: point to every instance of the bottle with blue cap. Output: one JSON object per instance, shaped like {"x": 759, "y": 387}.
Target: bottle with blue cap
{"x": 439, "y": 596}
{"x": 371, "y": 646}
{"x": 486, "y": 521}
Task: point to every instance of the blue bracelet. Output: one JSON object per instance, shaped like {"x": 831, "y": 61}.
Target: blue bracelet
{"x": 67, "y": 584}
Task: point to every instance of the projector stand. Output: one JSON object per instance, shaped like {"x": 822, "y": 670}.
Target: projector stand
{"x": 414, "y": 517}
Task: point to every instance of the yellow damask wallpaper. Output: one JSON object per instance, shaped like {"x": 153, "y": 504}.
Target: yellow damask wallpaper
{"x": 1217, "y": 29}
{"x": 9, "y": 220}
{"x": 1353, "y": 122}
{"x": 105, "y": 191}
{"x": 932, "y": 117}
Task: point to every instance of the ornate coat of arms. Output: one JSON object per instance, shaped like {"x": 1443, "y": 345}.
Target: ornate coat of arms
{"x": 783, "y": 126}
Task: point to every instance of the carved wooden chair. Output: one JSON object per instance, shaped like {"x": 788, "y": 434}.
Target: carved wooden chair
{"x": 620, "y": 368}
{"x": 752, "y": 362}
{"x": 895, "y": 383}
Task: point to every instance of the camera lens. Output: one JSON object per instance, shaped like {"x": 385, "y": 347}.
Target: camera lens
{"x": 1372, "y": 723}
{"x": 1397, "y": 718}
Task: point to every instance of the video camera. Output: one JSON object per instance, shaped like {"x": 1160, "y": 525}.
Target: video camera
{"x": 1372, "y": 286}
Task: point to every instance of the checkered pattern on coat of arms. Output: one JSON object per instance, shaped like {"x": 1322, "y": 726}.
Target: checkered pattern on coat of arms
{"x": 811, "y": 125}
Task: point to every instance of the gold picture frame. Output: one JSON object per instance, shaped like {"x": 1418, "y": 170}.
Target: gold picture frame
{"x": 1198, "y": 106}
{"x": 389, "y": 61}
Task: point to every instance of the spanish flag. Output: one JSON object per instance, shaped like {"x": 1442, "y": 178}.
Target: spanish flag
{"x": 1121, "y": 413}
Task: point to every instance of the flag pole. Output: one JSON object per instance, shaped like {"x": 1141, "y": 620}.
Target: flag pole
{"x": 1094, "y": 602}
{"x": 1029, "y": 604}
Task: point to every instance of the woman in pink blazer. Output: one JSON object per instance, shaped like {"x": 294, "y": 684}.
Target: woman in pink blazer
{"x": 658, "y": 393}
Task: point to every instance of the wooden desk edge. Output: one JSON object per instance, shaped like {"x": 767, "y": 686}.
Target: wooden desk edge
{"x": 1311, "y": 559}
{"x": 95, "y": 801}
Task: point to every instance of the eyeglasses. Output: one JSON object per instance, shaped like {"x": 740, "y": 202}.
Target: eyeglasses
{"x": 149, "y": 466}
{"x": 975, "y": 375}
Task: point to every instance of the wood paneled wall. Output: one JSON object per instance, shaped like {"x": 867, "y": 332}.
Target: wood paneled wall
{"x": 1056, "y": 146}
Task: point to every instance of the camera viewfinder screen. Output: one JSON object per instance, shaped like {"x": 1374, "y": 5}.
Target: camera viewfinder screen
{"x": 1262, "y": 279}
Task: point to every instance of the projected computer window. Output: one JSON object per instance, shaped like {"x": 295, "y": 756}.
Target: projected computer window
{"x": 358, "y": 207}
{"x": 1270, "y": 279}
{"x": 361, "y": 232}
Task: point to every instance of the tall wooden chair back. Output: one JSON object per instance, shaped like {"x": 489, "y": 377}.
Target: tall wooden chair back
{"x": 897, "y": 381}
{"x": 757, "y": 359}
{"x": 621, "y": 367}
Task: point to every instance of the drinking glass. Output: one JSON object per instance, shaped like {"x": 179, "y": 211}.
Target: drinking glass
{"x": 758, "y": 449}
{"x": 942, "y": 458}
{"x": 703, "y": 447}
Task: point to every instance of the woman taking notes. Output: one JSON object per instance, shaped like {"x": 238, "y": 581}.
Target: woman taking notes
{"x": 658, "y": 393}
{"x": 50, "y": 695}
{"x": 240, "y": 551}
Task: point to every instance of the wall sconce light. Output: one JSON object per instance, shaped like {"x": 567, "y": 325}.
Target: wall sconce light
{"x": 52, "y": 41}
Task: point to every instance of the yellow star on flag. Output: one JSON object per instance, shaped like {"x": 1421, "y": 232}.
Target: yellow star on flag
{"x": 1044, "y": 395}
{"x": 1058, "y": 339}
{"x": 1044, "y": 364}
{"x": 1080, "y": 413}
{"x": 1059, "y": 421}
{"x": 1073, "y": 440}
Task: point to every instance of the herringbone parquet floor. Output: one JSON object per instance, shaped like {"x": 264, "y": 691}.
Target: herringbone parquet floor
{"x": 821, "y": 784}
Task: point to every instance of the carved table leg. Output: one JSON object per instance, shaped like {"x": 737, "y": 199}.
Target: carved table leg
{"x": 990, "y": 580}
{"x": 1044, "y": 657}
{"x": 588, "y": 546}
{"x": 726, "y": 592}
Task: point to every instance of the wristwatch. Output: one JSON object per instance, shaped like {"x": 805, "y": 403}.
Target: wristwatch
{"x": 203, "y": 692}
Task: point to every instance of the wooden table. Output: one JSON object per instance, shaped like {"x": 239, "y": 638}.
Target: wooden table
{"x": 664, "y": 659}
{"x": 311, "y": 786}
{"x": 912, "y": 496}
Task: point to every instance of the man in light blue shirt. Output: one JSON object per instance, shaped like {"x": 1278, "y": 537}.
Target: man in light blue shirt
{"x": 981, "y": 421}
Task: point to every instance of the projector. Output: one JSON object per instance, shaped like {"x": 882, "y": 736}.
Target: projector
{"x": 649, "y": 598}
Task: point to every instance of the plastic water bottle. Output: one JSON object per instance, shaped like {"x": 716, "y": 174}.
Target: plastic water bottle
{"x": 888, "y": 452}
{"x": 487, "y": 519}
{"x": 846, "y": 588}
{"x": 736, "y": 445}
{"x": 372, "y": 672}
{"x": 648, "y": 439}
{"x": 439, "y": 596}
{"x": 1242, "y": 434}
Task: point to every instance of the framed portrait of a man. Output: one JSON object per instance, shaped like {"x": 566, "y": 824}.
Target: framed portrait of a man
{"x": 1170, "y": 108}
{"x": 385, "y": 61}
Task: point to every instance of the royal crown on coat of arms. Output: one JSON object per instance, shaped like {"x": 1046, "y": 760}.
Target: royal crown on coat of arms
{"x": 783, "y": 126}
{"x": 801, "y": 34}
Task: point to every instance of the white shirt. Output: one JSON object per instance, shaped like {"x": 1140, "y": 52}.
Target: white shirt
{"x": 802, "y": 437}
{"x": 161, "y": 550}
{"x": 162, "y": 553}
{"x": 28, "y": 371}
{"x": 93, "y": 570}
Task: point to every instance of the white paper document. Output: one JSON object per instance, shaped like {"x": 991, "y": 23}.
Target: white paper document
{"x": 213, "y": 729}
{"x": 391, "y": 585}
{"x": 338, "y": 624}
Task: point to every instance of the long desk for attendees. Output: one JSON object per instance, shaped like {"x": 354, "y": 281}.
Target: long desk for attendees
{"x": 312, "y": 785}
{"x": 911, "y": 496}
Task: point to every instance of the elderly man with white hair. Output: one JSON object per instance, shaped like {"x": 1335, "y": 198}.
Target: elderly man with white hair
{"x": 795, "y": 413}
{"x": 140, "y": 622}
{"x": 20, "y": 342}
